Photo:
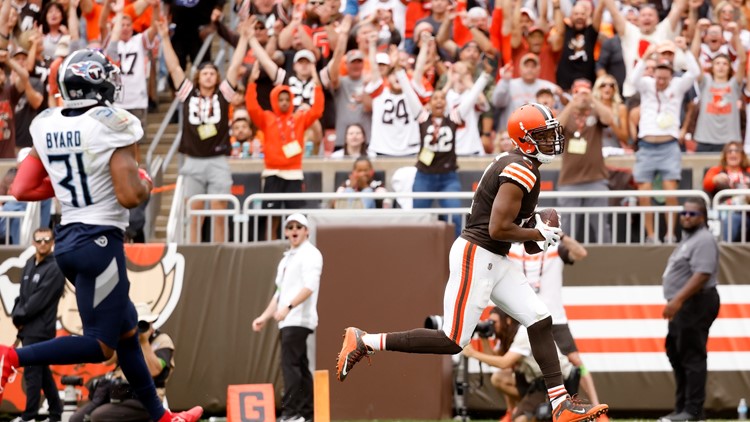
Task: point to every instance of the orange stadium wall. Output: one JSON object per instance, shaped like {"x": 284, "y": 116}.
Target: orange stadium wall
{"x": 386, "y": 279}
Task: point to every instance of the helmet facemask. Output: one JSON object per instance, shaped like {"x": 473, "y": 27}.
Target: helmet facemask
{"x": 548, "y": 141}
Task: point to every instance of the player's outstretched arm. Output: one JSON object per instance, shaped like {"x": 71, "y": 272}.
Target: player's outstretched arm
{"x": 32, "y": 182}
{"x": 132, "y": 186}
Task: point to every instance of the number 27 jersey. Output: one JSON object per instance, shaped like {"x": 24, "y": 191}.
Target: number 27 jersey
{"x": 75, "y": 151}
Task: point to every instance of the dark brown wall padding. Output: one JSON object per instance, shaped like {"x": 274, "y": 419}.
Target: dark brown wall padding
{"x": 226, "y": 287}
{"x": 384, "y": 279}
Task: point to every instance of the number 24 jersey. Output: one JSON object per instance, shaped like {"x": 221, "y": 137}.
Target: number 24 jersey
{"x": 75, "y": 151}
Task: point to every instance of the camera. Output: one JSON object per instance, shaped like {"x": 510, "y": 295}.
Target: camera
{"x": 143, "y": 326}
{"x": 71, "y": 380}
{"x": 433, "y": 322}
{"x": 485, "y": 329}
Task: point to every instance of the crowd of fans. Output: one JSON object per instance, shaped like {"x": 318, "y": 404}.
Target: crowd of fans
{"x": 654, "y": 78}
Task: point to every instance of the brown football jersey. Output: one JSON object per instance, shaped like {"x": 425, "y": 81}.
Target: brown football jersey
{"x": 510, "y": 167}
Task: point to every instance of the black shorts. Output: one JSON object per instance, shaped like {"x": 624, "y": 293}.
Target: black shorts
{"x": 564, "y": 338}
{"x": 275, "y": 184}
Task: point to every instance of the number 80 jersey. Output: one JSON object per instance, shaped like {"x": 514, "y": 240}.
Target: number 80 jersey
{"x": 75, "y": 151}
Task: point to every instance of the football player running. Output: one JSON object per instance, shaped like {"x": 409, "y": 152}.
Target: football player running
{"x": 84, "y": 154}
{"x": 506, "y": 196}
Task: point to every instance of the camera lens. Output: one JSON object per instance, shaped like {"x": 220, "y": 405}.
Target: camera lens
{"x": 143, "y": 326}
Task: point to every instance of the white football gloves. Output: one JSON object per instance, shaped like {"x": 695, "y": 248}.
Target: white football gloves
{"x": 551, "y": 234}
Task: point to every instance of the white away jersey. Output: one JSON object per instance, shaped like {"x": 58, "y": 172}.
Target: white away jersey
{"x": 76, "y": 151}
{"x": 134, "y": 67}
{"x": 395, "y": 131}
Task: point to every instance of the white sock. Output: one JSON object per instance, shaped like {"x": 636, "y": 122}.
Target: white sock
{"x": 557, "y": 395}
{"x": 374, "y": 341}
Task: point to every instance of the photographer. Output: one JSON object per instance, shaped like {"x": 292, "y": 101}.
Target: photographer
{"x": 112, "y": 399}
{"x": 514, "y": 352}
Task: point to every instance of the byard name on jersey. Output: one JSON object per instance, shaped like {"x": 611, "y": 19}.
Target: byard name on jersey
{"x": 68, "y": 139}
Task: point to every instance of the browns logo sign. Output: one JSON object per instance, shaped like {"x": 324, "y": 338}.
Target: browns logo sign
{"x": 156, "y": 275}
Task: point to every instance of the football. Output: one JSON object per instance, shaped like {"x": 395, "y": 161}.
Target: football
{"x": 549, "y": 217}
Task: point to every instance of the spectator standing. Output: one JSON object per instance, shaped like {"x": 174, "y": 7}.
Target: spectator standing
{"x": 35, "y": 315}
{"x": 583, "y": 167}
{"x": 12, "y": 89}
{"x": 577, "y": 58}
{"x": 29, "y": 104}
{"x": 294, "y": 306}
{"x": 511, "y": 93}
{"x": 636, "y": 38}
{"x": 689, "y": 283}
{"x": 616, "y": 134}
{"x": 283, "y": 146}
{"x": 720, "y": 92}
{"x": 437, "y": 164}
{"x": 205, "y": 124}
{"x": 610, "y": 60}
{"x": 659, "y": 129}
{"x": 395, "y": 131}
{"x": 353, "y": 106}
{"x": 189, "y": 16}
{"x": 135, "y": 52}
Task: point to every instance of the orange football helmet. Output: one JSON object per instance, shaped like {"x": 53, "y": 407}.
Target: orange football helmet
{"x": 536, "y": 132}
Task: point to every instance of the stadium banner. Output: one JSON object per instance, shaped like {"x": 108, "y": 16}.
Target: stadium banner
{"x": 614, "y": 302}
{"x": 208, "y": 295}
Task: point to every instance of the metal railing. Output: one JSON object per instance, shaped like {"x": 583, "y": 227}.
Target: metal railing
{"x": 176, "y": 212}
{"x": 249, "y": 223}
{"x": 27, "y": 220}
{"x": 730, "y": 207}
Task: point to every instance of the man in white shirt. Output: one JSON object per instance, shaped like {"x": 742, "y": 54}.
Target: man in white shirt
{"x": 649, "y": 31}
{"x": 659, "y": 127}
{"x": 295, "y": 307}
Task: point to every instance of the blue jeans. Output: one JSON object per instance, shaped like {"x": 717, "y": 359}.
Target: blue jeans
{"x": 736, "y": 233}
{"x": 445, "y": 182}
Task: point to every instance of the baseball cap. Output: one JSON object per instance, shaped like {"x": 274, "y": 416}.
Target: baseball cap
{"x": 354, "y": 55}
{"x": 304, "y": 54}
{"x": 145, "y": 313}
{"x": 535, "y": 28}
{"x": 529, "y": 12}
{"x": 240, "y": 114}
{"x": 665, "y": 64}
{"x": 629, "y": 9}
{"x": 666, "y": 46}
{"x": 581, "y": 85}
{"x": 383, "y": 58}
{"x": 529, "y": 56}
{"x": 298, "y": 218}
{"x": 19, "y": 50}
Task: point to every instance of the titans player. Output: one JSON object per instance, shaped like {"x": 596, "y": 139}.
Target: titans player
{"x": 84, "y": 154}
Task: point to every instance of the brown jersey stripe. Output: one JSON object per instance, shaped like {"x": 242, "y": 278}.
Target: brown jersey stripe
{"x": 467, "y": 271}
